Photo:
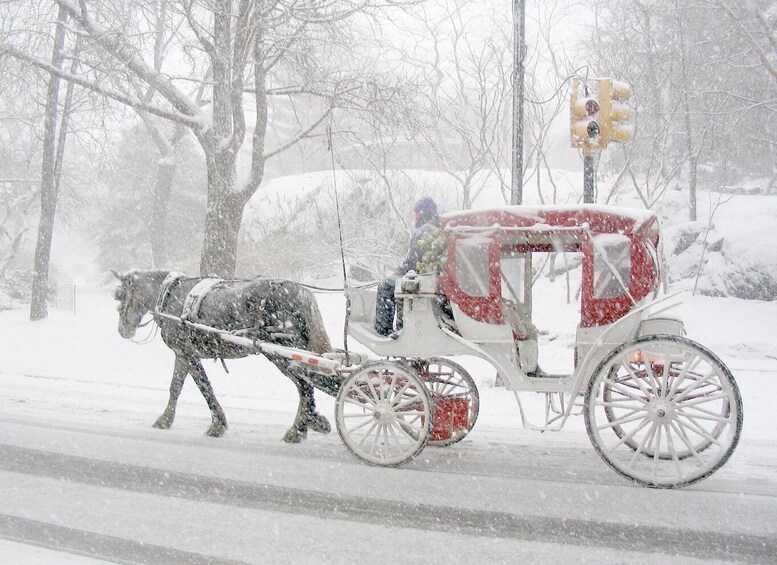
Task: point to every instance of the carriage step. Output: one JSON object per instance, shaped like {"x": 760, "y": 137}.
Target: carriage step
{"x": 540, "y": 374}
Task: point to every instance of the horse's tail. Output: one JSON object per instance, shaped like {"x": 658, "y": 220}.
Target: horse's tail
{"x": 318, "y": 339}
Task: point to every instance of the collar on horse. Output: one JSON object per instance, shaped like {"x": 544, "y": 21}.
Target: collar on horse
{"x": 191, "y": 305}
{"x": 193, "y": 300}
{"x": 170, "y": 281}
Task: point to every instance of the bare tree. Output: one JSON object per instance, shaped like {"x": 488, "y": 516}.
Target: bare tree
{"x": 54, "y": 137}
{"x": 462, "y": 51}
{"x": 703, "y": 82}
{"x": 238, "y": 47}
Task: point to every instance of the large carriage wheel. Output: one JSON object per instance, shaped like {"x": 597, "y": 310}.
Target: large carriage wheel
{"x": 384, "y": 414}
{"x": 663, "y": 411}
{"x": 455, "y": 397}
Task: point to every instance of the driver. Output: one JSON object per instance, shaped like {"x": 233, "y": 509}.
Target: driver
{"x": 427, "y": 228}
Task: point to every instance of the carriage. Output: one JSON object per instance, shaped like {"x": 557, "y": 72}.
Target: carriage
{"x": 659, "y": 408}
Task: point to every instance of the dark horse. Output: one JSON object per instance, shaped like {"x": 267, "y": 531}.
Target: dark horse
{"x": 277, "y": 311}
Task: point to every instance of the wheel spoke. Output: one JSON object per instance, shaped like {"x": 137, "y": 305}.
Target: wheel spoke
{"x": 657, "y": 451}
{"x": 633, "y": 417}
{"x": 694, "y": 427}
{"x": 637, "y": 380}
{"x": 687, "y": 441}
{"x": 410, "y": 400}
{"x": 362, "y": 424}
{"x": 703, "y": 400}
{"x": 630, "y": 436}
{"x": 625, "y": 404}
{"x": 645, "y": 441}
{"x": 626, "y": 391}
{"x": 370, "y": 406}
{"x": 369, "y": 432}
{"x": 371, "y": 388}
{"x": 401, "y": 394}
{"x": 673, "y": 450}
{"x": 355, "y": 415}
{"x": 376, "y": 437}
{"x": 704, "y": 379}
{"x": 412, "y": 433}
{"x": 397, "y": 440}
{"x": 386, "y": 444}
{"x": 392, "y": 388}
{"x": 651, "y": 377}
{"x": 703, "y": 414}
{"x": 665, "y": 379}
{"x": 410, "y": 413}
{"x": 680, "y": 378}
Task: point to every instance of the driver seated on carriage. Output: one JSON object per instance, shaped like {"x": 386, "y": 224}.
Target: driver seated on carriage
{"x": 418, "y": 258}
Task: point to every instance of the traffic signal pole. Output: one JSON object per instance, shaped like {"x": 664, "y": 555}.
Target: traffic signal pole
{"x": 595, "y": 120}
{"x": 516, "y": 189}
{"x": 589, "y": 179}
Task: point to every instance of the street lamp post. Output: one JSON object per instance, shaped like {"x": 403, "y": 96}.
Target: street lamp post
{"x": 516, "y": 192}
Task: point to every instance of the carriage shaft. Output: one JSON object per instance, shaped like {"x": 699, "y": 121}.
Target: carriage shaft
{"x": 309, "y": 359}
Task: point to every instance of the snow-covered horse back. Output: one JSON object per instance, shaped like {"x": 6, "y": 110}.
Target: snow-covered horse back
{"x": 269, "y": 310}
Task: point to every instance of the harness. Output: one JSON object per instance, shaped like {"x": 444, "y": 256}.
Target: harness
{"x": 170, "y": 281}
{"x": 193, "y": 301}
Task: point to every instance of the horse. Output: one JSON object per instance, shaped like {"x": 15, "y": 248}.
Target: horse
{"x": 272, "y": 310}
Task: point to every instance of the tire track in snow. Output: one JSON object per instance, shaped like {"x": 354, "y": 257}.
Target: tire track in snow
{"x": 590, "y": 533}
{"x": 97, "y": 546}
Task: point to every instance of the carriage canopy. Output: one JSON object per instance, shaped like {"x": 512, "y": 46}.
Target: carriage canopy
{"x": 489, "y": 253}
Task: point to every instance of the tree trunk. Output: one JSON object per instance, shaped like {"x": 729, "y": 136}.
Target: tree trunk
{"x": 49, "y": 185}
{"x": 222, "y": 226}
{"x": 223, "y": 217}
{"x": 692, "y": 161}
{"x": 162, "y": 188}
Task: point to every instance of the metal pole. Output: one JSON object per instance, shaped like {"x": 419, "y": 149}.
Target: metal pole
{"x": 519, "y": 15}
{"x": 589, "y": 188}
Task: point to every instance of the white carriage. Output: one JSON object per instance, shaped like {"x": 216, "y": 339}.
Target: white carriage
{"x": 659, "y": 408}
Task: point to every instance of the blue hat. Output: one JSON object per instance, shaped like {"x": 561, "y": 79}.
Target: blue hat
{"x": 425, "y": 207}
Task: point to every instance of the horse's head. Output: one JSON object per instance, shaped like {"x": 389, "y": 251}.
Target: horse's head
{"x": 137, "y": 293}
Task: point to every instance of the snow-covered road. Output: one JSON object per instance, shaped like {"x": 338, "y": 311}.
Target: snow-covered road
{"x": 84, "y": 477}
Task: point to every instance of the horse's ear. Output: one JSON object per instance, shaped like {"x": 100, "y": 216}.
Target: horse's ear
{"x": 117, "y": 275}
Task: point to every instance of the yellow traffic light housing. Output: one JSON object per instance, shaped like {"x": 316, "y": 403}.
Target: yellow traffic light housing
{"x": 615, "y": 114}
{"x": 584, "y": 126}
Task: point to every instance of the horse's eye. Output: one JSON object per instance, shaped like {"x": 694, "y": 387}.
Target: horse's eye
{"x": 118, "y": 294}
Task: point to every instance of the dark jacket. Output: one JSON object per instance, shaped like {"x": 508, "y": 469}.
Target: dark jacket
{"x": 420, "y": 242}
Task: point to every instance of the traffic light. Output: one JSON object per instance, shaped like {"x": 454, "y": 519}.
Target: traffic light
{"x": 614, "y": 113}
{"x": 583, "y": 118}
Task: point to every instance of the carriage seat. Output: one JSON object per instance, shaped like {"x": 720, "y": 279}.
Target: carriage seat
{"x": 515, "y": 314}
{"x": 524, "y": 334}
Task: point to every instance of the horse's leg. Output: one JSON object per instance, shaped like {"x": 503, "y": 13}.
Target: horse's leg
{"x": 179, "y": 376}
{"x": 218, "y": 420}
{"x": 307, "y": 417}
{"x": 307, "y": 409}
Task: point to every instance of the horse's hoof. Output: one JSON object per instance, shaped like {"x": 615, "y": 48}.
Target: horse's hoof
{"x": 216, "y": 430}
{"x": 320, "y": 424}
{"x": 294, "y": 436}
{"x": 163, "y": 423}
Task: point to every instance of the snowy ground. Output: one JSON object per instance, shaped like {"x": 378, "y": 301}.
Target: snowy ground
{"x": 84, "y": 478}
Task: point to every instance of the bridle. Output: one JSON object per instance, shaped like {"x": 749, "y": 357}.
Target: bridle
{"x": 126, "y": 295}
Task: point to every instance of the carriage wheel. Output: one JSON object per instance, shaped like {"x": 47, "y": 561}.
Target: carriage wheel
{"x": 384, "y": 414}
{"x": 663, "y": 411}
{"x": 449, "y": 382}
